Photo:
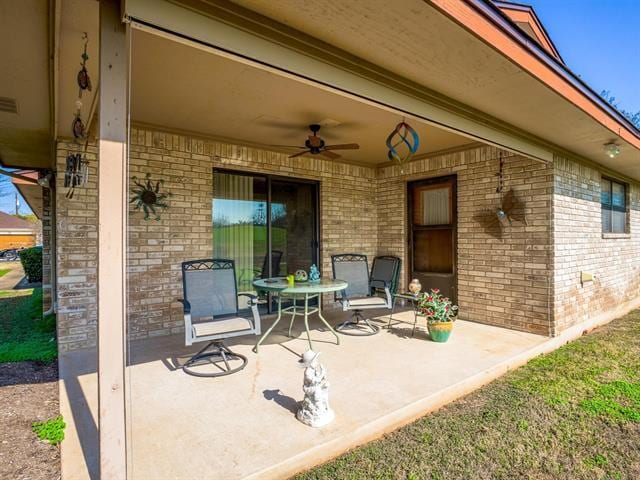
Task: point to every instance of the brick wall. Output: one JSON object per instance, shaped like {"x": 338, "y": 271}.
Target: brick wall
{"x": 46, "y": 246}
{"x": 347, "y": 217}
{"x": 581, "y": 246}
{"x": 508, "y": 281}
{"x": 77, "y": 251}
{"x": 503, "y": 281}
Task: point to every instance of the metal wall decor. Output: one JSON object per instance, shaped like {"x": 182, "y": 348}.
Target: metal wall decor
{"x": 148, "y": 198}
{"x": 510, "y": 210}
{"x": 403, "y": 137}
{"x": 76, "y": 173}
{"x": 84, "y": 83}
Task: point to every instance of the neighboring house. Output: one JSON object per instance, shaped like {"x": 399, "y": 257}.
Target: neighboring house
{"x": 16, "y": 232}
{"x": 211, "y": 88}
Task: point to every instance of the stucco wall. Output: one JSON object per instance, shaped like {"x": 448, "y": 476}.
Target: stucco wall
{"x": 581, "y": 246}
{"x": 503, "y": 281}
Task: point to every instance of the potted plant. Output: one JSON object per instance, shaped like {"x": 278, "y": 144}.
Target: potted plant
{"x": 440, "y": 313}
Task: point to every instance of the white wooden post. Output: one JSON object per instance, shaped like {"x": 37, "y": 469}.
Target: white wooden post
{"x": 112, "y": 162}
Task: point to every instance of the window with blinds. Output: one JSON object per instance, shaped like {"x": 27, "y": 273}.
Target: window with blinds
{"x": 613, "y": 200}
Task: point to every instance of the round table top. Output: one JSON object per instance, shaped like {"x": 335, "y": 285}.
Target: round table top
{"x": 280, "y": 284}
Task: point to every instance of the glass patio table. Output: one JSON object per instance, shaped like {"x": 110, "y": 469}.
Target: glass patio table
{"x": 299, "y": 291}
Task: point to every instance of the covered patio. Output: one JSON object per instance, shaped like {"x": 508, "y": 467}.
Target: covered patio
{"x": 218, "y": 136}
{"x": 244, "y": 426}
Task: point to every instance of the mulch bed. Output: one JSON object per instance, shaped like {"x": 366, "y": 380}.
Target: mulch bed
{"x": 28, "y": 393}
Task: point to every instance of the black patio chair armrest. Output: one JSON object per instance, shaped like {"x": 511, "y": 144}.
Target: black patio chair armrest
{"x": 185, "y": 305}
{"x": 252, "y": 297}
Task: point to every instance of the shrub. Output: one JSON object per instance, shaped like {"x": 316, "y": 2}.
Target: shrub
{"x": 31, "y": 259}
{"x": 51, "y": 431}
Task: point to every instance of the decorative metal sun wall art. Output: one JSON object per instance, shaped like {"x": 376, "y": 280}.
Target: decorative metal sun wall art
{"x": 402, "y": 138}
{"x": 148, "y": 198}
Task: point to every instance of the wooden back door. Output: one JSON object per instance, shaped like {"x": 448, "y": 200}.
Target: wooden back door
{"x": 432, "y": 234}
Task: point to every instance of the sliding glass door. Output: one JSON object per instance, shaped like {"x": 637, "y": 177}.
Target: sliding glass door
{"x": 268, "y": 225}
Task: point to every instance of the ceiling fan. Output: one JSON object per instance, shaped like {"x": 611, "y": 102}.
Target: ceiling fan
{"x": 317, "y": 146}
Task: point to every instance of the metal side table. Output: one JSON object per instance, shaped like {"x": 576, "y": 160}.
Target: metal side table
{"x": 410, "y": 297}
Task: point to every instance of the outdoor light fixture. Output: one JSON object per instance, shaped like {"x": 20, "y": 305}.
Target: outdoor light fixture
{"x": 46, "y": 180}
{"x": 611, "y": 149}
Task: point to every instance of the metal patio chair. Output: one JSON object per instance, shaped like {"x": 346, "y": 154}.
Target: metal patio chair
{"x": 211, "y": 315}
{"x": 364, "y": 290}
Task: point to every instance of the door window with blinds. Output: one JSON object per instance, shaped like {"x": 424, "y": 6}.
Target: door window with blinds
{"x": 432, "y": 213}
{"x": 613, "y": 200}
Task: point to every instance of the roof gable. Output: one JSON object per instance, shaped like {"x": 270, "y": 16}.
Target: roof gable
{"x": 9, "y": 222}
{"x": 524, "y": 16}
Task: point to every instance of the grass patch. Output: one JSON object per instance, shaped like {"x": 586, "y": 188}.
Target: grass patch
{"x": 571, "y": 414}
{"x": 51, "y": 431}
{"x": 24, "y": 334}
{"x": 4, "y": 271}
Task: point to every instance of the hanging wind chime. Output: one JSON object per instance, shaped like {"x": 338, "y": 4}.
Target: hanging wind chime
{"x": 503, "y": 218}
{"x": 511, "y": 208}
{"x": 76, "y": 172}
{"x": 402, "y": 143}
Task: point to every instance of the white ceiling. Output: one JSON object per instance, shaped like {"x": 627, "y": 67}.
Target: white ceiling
{"x": 414, "y": 40}
{"x": 25, "y": 136}
{"x": 180, "y": 87}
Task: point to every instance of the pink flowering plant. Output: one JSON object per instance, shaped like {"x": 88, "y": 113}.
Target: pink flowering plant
{"x": 436, "y": 307}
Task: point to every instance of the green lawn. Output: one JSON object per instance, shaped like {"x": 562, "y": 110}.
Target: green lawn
{"x": 4, "y": 271}
{"x": 572, "y": 414}
{"x": 24, "y": 334}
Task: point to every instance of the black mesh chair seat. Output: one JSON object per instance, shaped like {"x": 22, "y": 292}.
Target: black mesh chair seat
{"x": 211, "y": 315}
{"x": 364, "y": 291}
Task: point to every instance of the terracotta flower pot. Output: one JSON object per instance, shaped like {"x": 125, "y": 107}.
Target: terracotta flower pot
{"x": 440, "y": 331}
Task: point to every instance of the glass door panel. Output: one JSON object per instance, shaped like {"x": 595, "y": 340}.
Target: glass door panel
{"x": 293, "y": 224}
{"x": 240, "y": 224}
{"x": 257, "y": 214}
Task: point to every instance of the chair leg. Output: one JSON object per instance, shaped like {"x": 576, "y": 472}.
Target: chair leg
{"x": 212, "y": 354}
{"x": 357, "y": 326}
{"x": 393, "y": 308}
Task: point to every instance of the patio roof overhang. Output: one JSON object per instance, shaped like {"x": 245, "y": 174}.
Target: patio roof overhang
{"x": 425, "y": 64}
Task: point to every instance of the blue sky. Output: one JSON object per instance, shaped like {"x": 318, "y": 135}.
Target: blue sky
{"x": 8, "y": 199}
{"x": 598, "y": 39}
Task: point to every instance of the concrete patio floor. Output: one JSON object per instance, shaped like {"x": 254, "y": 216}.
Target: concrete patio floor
{"x": 243, "y": 425}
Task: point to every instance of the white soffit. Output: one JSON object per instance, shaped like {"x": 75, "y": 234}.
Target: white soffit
{"x": 257, "y": 50}
{"x": 25, "y": 137}
{"x": 220, "y": 97}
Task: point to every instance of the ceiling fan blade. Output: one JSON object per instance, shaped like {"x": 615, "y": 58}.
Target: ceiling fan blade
{"x": 343, "y": 146}
{"x": 285, "y": 146}
{"x": 329, "y": 154}
{"x": 299, "y": 153}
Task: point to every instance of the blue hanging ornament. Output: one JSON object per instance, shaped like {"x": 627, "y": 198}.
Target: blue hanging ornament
{"x": 407, "y": 139}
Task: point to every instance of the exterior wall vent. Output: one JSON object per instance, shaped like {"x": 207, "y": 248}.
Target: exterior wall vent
{"x": 8, "y": 105}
